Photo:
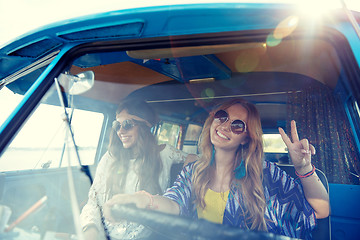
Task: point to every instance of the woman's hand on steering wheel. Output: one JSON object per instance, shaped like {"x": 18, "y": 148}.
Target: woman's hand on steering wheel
{"x": 139, "y": 199}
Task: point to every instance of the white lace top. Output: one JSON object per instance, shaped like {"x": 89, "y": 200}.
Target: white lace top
{"x": 124, "y": 230}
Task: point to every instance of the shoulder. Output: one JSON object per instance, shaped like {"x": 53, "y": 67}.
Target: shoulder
{"x": 271, "y": 167}
{"x": 172, "y": 154}
{"x": 187, "y": 170}
{"x": 105, "y": 161}
{"x": 189, "y": 166}
{"x": 191, "y": 158}
{"x": 167, "y": 148}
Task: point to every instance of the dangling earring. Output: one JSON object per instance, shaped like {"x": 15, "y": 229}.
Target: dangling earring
{"x": 240, "y": 171}
{"x": 212, "y": 156}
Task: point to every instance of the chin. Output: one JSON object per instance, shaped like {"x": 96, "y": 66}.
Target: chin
{"x": 128, "y": 145}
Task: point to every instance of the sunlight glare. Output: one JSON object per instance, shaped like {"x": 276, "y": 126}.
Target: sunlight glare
{"x": 286, "y": 27}
{"x": 316, "y": 9}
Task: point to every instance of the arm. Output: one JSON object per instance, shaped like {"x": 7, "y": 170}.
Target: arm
{"x": 141, "y": 199}
{"x": 300, "y": 152}
{"x": 90, "y": 215}
{"x": 176, "y": 200}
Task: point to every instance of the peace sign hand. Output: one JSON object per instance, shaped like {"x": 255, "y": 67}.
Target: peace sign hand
{"x": 300, "y": 150}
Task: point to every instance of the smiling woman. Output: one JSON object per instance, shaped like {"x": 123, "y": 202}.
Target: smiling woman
{"x": 230, "y": 184}
{"x": 134, "y": 162}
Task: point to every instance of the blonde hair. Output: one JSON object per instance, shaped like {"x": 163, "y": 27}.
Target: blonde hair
{"x": 252, "y": 154}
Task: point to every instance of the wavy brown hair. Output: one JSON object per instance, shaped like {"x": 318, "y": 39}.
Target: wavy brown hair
{"x": 252, "y": 154}
{"x": 145, "y": 150}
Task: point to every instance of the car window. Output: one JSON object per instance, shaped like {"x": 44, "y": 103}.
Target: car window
{"x": 169, "y": 133}
{"x": 273, "y": 143}
{"x": 8, "y": 101}
{"x": 15, "y": 85}
{"x": 40, "y": 143}
{"x": 192, "y": 136}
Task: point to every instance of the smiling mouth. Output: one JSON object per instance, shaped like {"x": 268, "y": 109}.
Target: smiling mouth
{"x": 222, "y": 135}
{"x": 125, "y": 138}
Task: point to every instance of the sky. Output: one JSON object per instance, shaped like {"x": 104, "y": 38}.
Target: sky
{"x": 18, "y": 17}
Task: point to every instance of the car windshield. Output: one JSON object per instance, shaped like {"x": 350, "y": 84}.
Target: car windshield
{"x": 69, "y": 108}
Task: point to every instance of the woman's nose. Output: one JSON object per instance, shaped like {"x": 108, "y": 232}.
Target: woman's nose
{"x": 226, "y": 126}
{"x": 122, "y": 130}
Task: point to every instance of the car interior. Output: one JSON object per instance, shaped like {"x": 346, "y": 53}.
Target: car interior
{"x": 183, "y": 78}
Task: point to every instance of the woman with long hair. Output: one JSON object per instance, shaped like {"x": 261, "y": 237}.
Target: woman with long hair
{"x": 134, "y": 163}
{"x": 232, "y": 184}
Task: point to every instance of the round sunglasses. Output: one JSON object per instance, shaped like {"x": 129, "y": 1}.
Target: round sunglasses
{"x": 237, "y": 126}
{"x": 127, "y": 125}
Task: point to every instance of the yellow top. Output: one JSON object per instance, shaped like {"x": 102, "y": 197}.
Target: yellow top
{"x": 215, "y": 206}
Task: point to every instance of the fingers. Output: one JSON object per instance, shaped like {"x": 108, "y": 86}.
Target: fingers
{"x": 312, "y": 149}
{"x": 294, "y": 133}
{"x": 116, "y": 199}
{"x": 285, "y": 137}
{"x": 306, "y": 149}
{"x": 295, "y": 138}
{"x": 305, "y": 144}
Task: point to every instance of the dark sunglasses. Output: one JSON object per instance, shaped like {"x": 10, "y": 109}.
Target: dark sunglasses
{"x": 237, "y": 126}
{"x": 126, "y": 125}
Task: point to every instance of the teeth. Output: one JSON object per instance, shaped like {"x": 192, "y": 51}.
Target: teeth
{"x": 222, "y": 135}
{"x": 124, "y": 138}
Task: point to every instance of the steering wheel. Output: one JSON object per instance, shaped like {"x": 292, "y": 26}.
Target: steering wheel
{"x": 177, "y": 227}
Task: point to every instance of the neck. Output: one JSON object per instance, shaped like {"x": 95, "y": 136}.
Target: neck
{"x": 223, "y": 170}
{"x": 224, "y": 160}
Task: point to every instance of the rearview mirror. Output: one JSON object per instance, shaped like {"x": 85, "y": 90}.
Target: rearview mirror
{"x": 77, "y": 84}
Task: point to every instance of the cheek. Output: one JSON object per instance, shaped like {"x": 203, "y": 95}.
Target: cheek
{"x": 135, "y": 135}
{"x": 212, "y": 131}
{"x": 245, "y": 139}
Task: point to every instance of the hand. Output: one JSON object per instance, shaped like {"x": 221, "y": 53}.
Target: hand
{"x": 140, "y": 199}
{"x": 91, "y": 234}
{"x": 300, "y": 150}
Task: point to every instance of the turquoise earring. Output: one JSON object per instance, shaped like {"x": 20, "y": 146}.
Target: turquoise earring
{"x": 212, "y": 156}
{"x": 240, "y": 171}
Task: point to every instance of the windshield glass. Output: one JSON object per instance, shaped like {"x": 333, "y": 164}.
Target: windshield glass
{"x": 123, "y": 116}
{"x": 15, "y": 88}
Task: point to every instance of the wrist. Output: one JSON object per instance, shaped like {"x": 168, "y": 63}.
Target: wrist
{"x": 149, "y": 198}
{"x": 305, "y": 171}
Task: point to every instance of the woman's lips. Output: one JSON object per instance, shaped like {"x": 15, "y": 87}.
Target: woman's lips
{"x": 125, "y": 138}
{"x": 222, "y": 135}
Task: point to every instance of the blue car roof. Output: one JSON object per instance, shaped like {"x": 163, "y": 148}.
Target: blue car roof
{"x": 141, "y": 23}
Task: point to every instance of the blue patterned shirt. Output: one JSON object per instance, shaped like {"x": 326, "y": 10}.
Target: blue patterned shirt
{"x": 288, "y": 212}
